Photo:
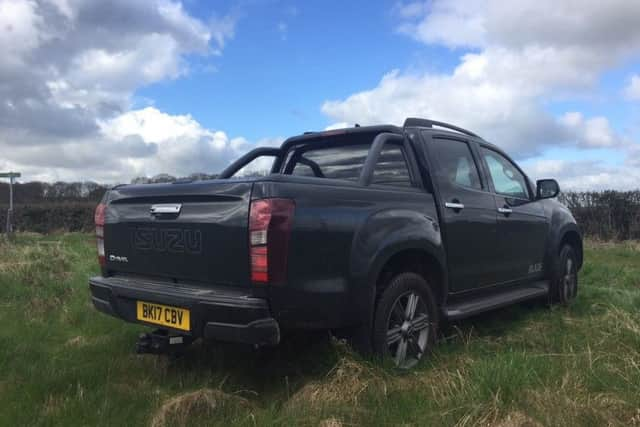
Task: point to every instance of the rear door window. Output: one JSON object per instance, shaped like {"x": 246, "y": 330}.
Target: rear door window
{"x": 456, "y": 164}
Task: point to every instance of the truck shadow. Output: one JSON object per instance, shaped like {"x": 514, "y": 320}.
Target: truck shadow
{"x": 264, "y": 373}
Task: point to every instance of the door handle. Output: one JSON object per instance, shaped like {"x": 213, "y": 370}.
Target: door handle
{"x": 454, "y": 205}
{"x": 505, "y": 211}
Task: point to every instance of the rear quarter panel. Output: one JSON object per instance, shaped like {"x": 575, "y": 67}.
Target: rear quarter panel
{"x": 341, "y": 234}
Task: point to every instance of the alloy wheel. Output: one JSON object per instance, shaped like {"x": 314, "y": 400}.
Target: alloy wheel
{"x": 407, "y": 330}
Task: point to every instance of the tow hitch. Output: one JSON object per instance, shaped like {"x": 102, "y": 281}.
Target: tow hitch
{"x": 161, "y": 341}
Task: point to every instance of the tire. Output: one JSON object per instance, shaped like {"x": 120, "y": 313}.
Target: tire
{"x": 564, "y": 280}
{"x": 406, "y": 321}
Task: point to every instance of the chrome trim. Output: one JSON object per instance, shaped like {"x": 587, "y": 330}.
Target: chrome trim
{"x": 452, "y": 205}
{"x": 168, "y": 208}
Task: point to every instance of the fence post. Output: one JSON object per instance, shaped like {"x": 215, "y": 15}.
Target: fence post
{"x": 11, "y": 176}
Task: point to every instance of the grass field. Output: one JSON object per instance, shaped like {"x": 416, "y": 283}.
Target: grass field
{"x": 63, "y": 363}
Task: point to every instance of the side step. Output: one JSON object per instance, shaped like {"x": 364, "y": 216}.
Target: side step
{"x": 460, "y": 310}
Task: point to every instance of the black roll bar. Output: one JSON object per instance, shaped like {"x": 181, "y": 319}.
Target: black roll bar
{"x": 247, "y": 158}
{"x": 374, "y": 152}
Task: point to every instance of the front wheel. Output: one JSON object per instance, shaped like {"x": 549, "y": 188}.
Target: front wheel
{"x": 565, "y": 277}
{"x": 406, "y": 321}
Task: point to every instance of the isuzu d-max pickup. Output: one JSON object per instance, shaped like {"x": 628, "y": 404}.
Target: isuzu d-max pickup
{"x": 378, "y": 232}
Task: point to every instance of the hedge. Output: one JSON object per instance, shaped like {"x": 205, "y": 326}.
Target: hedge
{"x": 608, "y": 215}
{"x": 47, "y": 218}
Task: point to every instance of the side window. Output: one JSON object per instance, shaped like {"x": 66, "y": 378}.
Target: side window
{"x": 507, "y": 179}
{"x": 391, "y": 168}
{"x": 455, "y": 163}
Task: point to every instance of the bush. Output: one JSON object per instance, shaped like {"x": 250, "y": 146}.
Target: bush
{"x": 46, "y": 217}
{"x": 606, "y": 215}
{"x": 57, "y": 192}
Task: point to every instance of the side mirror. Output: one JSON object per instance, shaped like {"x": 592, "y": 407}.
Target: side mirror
{"x": 547, "y": 189}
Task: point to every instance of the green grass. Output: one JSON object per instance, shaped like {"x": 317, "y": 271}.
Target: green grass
{"x": 63, "y": 363}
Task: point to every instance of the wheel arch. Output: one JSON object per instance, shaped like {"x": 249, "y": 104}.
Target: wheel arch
{"x": 567, "y": 234}
{"x": 419, "y": 259}
{"x": 572, "y": 238}
{"x": 385, "y": 234}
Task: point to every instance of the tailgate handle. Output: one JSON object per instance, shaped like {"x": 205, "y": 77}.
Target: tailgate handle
{"x": 169, "y": 208}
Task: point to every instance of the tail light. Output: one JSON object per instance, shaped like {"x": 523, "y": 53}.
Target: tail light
{"x": 99, "y": 220}
{"x": 269, "y": 229}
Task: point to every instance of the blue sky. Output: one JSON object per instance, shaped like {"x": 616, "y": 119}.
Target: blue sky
{"x": 108, "y": 91}
{"x": 286, "y": 59}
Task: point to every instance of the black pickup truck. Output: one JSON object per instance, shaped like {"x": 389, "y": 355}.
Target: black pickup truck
{"x": 379, "y": 232}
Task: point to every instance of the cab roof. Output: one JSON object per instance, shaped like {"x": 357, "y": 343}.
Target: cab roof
{"x": 410, "y": 123}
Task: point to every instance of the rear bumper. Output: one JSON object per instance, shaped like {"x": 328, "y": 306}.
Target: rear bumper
{"x": 217, "y": 313}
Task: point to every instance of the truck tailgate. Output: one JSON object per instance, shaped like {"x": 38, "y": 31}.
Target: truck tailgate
{"x": 197, "y": 233}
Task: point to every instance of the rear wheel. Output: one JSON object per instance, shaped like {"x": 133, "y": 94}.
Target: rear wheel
{"x": 406, "y": 321}
{"x": 565, "y": 277}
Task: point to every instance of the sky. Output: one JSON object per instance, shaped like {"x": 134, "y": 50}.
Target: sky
{"x": 109, "y": 91}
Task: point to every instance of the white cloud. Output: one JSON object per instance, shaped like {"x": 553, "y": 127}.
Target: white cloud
{"x": 595, "y": 132}
{"x": 223, "y": 29}
{"x": 64, "y": 7}
{"x": 632, "y": 91}
{"x": 482, "y": 23}
{"x": 183, "y": 145}
{"x": 585, "y": 174}
{"x": 19, "y": 30}
{"x": 507, "y": 113}
{"x": 526, "y": 54}
{"x": 452, "y": 23}
{"x": 68, "y": 72}
{"x": 600, "y": 25}
{"x": 411, "y": 10}
{"x": 143, "y": 142}
{"x": 338, "y": 125}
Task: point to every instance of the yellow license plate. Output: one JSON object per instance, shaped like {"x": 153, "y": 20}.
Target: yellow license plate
{"x": 173, "y": 317}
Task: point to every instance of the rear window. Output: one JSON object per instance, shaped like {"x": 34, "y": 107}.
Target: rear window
{"x": 346, "y": 162}
{"x": 391, "y": 168}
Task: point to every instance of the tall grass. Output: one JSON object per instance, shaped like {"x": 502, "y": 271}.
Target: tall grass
{"x": 63, "y": 363}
